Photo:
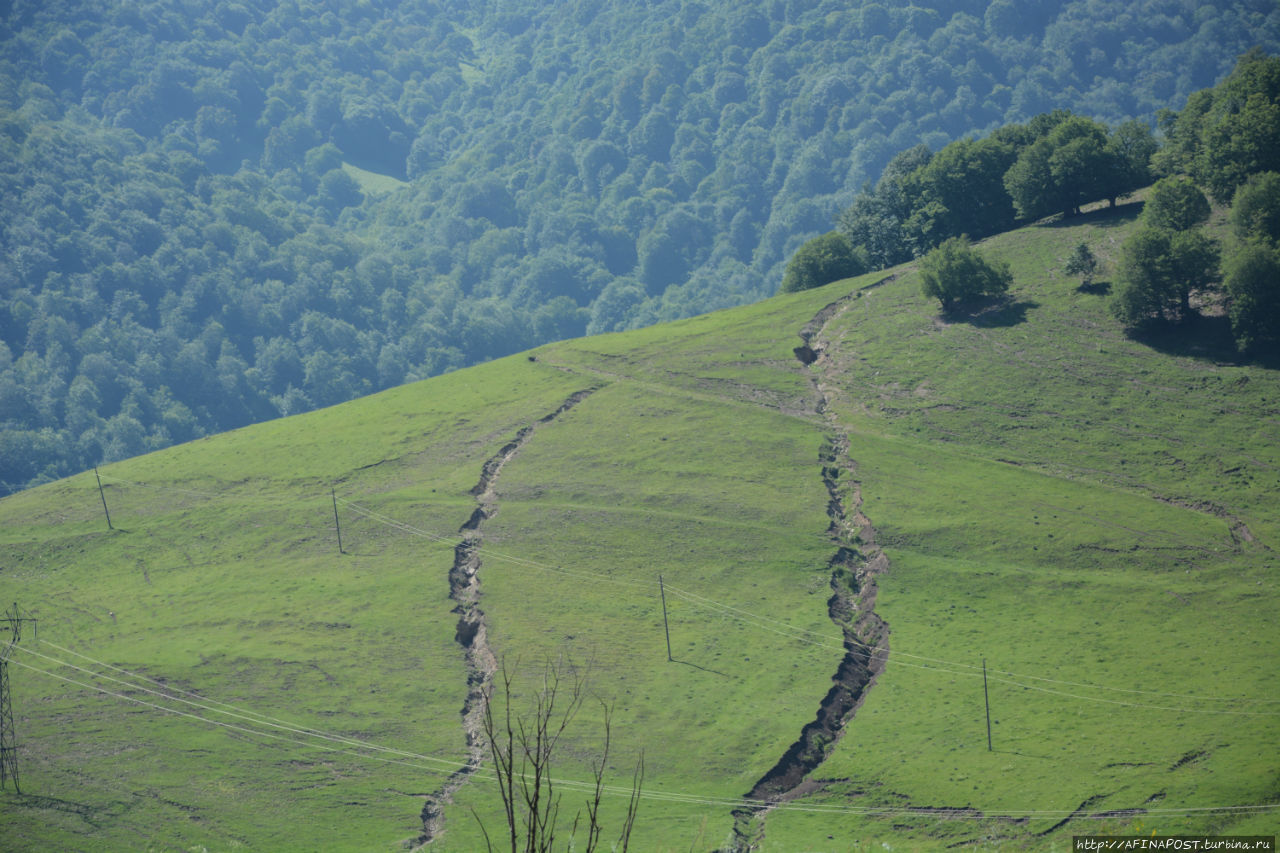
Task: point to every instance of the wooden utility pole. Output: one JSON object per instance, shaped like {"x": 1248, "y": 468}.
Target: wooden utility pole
{"x": 336, "y": 522}
{"x": 987, "y": 702}
{"x": 665, "y": 627}
{"x": 102, "y": 495}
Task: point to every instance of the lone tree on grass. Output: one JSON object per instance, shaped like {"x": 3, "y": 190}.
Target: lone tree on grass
{"x": 954, "y": 273}
{"x": 1084, "y": 264}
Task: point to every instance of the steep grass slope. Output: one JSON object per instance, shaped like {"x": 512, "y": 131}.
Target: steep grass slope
{"x": 1092, "y": 515}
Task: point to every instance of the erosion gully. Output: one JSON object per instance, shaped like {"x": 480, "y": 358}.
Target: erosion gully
{"x": 471, "y": 632}
{"x": 854, "y": 566}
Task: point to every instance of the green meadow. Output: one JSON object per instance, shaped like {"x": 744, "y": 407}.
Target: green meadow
{"x": 1090, "y": 515}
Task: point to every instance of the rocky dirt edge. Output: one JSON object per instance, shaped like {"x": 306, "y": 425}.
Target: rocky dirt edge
{"x": 867, "y": 644}
{"x": 854, "y": 566}
{"x": 471, "y": 633}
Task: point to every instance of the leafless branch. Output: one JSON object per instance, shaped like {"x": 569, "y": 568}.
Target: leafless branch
{"x": 523, "y": 749}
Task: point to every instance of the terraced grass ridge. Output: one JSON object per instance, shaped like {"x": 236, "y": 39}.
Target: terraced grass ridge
{"x": 853, "y": 504}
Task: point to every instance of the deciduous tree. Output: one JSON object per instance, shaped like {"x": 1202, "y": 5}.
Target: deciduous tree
{"x": 1071, "y": 165}
{"x": 955, "y": 272}
{"x": 821, "y": 261}
{"x": 1175, "y": 203}
{"x": 1253, "y": 284}
{"x": 525, "y": 748}
{"x": 1083, "y": 263}
{"x": 1255, "y": 208}
{"x": 1159, "y": 270}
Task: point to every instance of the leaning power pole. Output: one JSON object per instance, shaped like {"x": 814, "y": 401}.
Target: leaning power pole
{"x": 337, "y": 523}
{"x": 8, "y": 738}
{"x": 665, "y": 627}
{"x": 986, "y": 700}
{"x": 102, "y": 495}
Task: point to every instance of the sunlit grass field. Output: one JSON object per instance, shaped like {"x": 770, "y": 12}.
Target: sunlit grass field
{"x": 1091, "y": 515}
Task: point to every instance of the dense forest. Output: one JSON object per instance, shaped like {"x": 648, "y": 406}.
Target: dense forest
{"x": 217, "y": 213}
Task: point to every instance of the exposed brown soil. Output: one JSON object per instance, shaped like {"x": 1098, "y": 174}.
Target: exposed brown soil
{"x": 853, "y": 568}
{"x": 471, "y": 632}
{"x": 1080, "y": 810}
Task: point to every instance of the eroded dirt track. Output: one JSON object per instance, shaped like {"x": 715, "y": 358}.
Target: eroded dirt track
{"x": 854, "y": 566}
{"x": 471, "y": 632}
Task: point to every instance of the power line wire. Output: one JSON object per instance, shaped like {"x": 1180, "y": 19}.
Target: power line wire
{"x": 802, "y": 634}
{"x": 260, "y": 719}
{"x": 247, "y": 717}
{"x": 942, "y": 665}
{"x": 489, "y": 553}
{"x": 672, "y": 796}
{"x": 231, "y": 726}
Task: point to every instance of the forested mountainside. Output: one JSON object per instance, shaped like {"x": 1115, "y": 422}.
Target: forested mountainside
{"x": 219, "y": 213}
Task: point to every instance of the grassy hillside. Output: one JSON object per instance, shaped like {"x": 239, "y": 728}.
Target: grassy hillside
{"x": 1092, "y": 516}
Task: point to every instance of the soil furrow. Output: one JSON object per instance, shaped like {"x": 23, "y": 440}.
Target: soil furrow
{"x": 853, "y": 568}
{"x": 471, "y": 631}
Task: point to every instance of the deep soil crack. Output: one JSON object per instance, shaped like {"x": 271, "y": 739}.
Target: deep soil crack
{"x": 471, "y": 631}
{"x": 853, "y": 568}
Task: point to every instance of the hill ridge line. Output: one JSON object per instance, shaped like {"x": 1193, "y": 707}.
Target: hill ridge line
{"x": 472, "y": 631}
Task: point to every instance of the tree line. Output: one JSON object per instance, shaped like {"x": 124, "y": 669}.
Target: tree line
{"x": 976, "y": 187}
{"x": 1224, "y": 142}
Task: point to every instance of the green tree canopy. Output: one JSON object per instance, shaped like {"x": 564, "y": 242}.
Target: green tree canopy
{"x": 1132, "y": 146}
{"x": 821, "y": 261}
{"x": 955, "y": 272}
{"x": 1175, "y": 203}
{"x": 1230, "y": 132}
{"x": 1159, "y": 270}
{"x": 166, "y": 168}
{"x": 1082, "y": 263}
{"x": 1255, "y": 209}
{"x": 875, "y": 221}
{"x": 1253, "y": 284}
{"x": 1052, "y": 164}
{"x": 1071, "y": 165}
{"x": 961, "y": 191}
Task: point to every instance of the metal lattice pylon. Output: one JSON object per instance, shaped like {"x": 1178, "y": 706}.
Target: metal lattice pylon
{"x": 8, "y": 738}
